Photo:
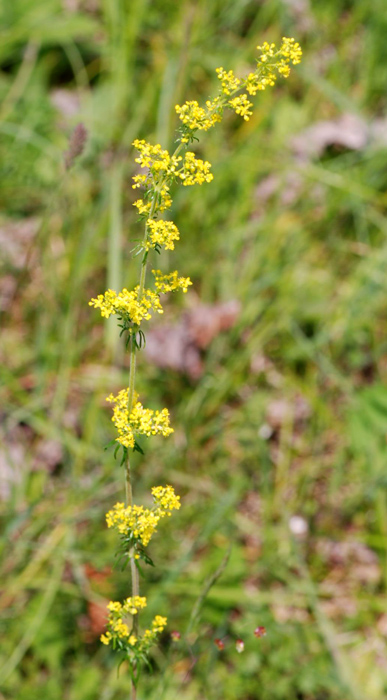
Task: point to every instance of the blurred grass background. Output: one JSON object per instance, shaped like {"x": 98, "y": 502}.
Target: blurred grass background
{"x": 280, "y": 420}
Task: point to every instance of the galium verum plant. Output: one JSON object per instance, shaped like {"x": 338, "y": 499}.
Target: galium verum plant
{"x": 136, "y": 525}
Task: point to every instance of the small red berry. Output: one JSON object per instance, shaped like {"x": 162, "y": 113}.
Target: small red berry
{"x": 219, "y": 643}
{"x": 260, "y": 632}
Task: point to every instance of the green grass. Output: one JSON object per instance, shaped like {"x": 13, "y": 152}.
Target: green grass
{"x": 305, "y": 358}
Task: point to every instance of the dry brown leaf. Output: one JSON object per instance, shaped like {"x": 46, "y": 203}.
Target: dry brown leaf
{"x": 282, "y": 410}
{"x": 178, "y": 346}
{"x": 347, "y": 131}
{"x": 15, "y": 240}
{"x": 97, "y": 615}
{"x": 48, "y": 455}
{"x": 66, "y": 102}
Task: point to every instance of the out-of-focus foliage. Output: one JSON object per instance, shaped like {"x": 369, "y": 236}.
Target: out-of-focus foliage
{"x": 280, "y": 416}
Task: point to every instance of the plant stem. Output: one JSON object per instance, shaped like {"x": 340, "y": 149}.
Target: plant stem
{"x": 132, "y": 377}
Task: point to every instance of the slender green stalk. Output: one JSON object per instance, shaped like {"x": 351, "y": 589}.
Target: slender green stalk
{"x": 128, "y": 480}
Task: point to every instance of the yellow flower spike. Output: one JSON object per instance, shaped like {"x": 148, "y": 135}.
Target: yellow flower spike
{"x": 137, "y": 524}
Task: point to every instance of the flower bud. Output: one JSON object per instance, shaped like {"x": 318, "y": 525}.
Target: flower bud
{"x": 240, "y": 645}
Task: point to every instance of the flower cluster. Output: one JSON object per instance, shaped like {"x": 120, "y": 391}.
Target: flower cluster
{"x": 161, "y": 168}
{"x": 161, "y": 233}
{"x": 137, "y": 523}
{"x": 165, "y": 499}
{"x": 289, "y": 52}
{"x": 156, "y": 159}
{"x": 127, "y": 304}
{"x": 228, "y": 81}
{"x": 140, "y": 420}
{"x": 120, "y": 632}
{"x": 170, "y": 282}
{"x": 270, "y": 62}
{"x": 162, "y": 199}
{"x": 196, "y": 117}
{"x": 241, "y": 105}
{"x": 195, "y": 171}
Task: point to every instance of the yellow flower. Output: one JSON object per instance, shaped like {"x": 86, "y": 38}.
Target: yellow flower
{"x": 140, "y": 420}
{"x": 165, "y": 498}
{"x": 159, "y": 623}
{"x": 241, "y": 105}
{"x": 141, "y": 523}
{"x": 143, "y": 207}
{"x": 105, "y": 638}
{"x": 196, "y": 117}
{"x": 291, "y": 50}
{"x": 162, "y": 233}
{"x": 127, "y": 304}
{"x": 170, "y": 282}
{"x": 136, "y": 520}
{"x": 118, "y": 630}
{"x": 194, "y": 170}
{"x": 134, "y": 603}
{"x": 229, "y": 82}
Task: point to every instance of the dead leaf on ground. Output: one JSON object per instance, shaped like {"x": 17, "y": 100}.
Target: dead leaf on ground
{"x": 15, "y": 240}
{"x": 301, "y": 14}
{"x": 259, "y": 364}
{"x": 347, "y": 131}
{"x": 12, "y": 465}
{"x": 66, "y": 102}
{"x": 289, "y": 613}
{"x": 178, "y": 346}
{"x": 97, "y": 615}
{"x": 48, "y": 455}
{"x": 281, "y": 410}
{"x": 352, "y": 565}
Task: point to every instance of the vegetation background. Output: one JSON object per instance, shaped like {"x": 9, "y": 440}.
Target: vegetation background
{"x": 274, "y": 366}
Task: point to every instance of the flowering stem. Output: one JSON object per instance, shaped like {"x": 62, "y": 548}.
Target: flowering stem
{"x": 135, "y": 523}
{"x": 128, "y": 479}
